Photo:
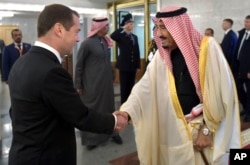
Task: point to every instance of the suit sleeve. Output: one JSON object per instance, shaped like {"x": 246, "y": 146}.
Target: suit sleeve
{"x": 29, "y": 47}
{"x": 5, "y": 64}
{"x": 60, "y": 94}
{"x": 248, "y": 57}
{"x": 2, "y": 45}
{"x": 116, "y": 34}
{"x": 231, "y": 46}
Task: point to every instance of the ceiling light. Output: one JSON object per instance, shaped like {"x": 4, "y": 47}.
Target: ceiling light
{"x": 38, "y": 8}
{"x": 6, "y": 14}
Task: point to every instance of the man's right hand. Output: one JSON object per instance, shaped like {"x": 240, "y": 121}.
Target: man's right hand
{"x": 122, "y": 121}
{"x": 123, "y": 113}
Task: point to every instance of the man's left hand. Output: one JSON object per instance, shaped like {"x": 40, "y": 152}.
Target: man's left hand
{"x": 248, "y": 75}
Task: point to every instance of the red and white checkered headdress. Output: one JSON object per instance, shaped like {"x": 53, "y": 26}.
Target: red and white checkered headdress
{"x": 187, "y": 38}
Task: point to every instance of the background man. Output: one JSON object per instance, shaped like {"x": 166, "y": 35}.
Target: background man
{"x": 94, "y": 78}
{"x": 209, "y": 32}
{"x": 229, "y": 41}
{"x": 1, "y": 53}
{"x": 241, "y": 68}
{"x": 13, "y": 51}
{"x": 128, "y": 61}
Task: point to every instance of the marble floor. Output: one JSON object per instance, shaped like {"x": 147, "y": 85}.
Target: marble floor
{"x": 98, "y": 156}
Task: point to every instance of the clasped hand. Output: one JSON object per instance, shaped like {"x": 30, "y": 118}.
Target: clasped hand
{"x": 122, "y": 120}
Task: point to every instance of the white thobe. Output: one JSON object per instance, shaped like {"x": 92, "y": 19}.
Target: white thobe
{"x": 161, "y": 132}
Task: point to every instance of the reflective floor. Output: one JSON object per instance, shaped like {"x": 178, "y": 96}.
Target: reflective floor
{"x": 98, "y": 156}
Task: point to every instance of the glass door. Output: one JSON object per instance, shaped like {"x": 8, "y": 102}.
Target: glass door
{"x": 138, "y": 17}
{"x": 142, "y": 12}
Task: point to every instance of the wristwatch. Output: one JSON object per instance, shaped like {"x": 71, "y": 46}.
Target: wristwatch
{"x": 206, "y": 132}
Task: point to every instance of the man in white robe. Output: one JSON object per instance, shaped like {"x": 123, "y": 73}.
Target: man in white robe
{"x": 163, "y": 134}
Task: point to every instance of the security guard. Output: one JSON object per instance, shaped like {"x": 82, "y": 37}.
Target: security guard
{"x": 128, "y": 61}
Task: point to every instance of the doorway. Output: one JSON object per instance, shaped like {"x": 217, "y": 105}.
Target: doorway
{"x": 5, "y": 33}
{"x": 142, "y": 12}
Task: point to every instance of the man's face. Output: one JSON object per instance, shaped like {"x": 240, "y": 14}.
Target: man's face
{"x": 17, "y": 36}
{"x": 129, "y": 26}
{"x": 247, "y": 24}
{"x": 208, "y": 32}
{"x": 166, "y": 38}
{"x": 226, "y": 25}
{"x": 104, "y": 30}
{"x": 70, "y": 37}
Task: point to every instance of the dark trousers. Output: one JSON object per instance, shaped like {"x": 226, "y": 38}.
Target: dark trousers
{"x": 127, "y": 81}
{"x": 243, "y": 89}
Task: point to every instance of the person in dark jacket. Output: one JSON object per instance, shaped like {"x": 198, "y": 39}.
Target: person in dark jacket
{"x": 46, "y": 108}
{"x": 13, "y": 51}
{"x": 2, "y": 45}
{"x": 128, "y": 61}
{"x": 241, "y": 68}
{"x": 229, "y": 40}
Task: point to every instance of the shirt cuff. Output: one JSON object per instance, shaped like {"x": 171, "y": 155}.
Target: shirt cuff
{"x": 115, "y": 120}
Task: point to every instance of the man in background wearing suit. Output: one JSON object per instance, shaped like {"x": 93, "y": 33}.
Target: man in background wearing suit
{"x": 13, "y": 51}
{"x": 128, "y": 61}
{"x": 229, "y": 41}
{"x": 1, "y": 53}
{"x": 46, "y": 108}
{"x": 241, "y": 68}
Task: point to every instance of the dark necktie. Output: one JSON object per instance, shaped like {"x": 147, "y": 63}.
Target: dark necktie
{"x": 132, "y": 38}
{"x": 19, "y": 47}
{"x": 247, "y": 35}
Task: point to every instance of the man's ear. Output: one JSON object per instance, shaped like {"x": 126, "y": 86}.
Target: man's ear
{"x": 58, "y": 29}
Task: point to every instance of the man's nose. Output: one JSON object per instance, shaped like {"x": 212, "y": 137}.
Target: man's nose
{"x": 158, "y": 33}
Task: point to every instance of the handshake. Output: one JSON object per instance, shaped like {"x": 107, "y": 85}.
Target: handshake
{"x": 122, "y": 120}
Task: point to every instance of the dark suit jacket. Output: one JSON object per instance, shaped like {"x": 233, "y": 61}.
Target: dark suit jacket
{"x": 45, "y": 110}
{"x": 228, "y": 46}
{"x": 244, "y": 58}
{"x": 129, "y": 56}
{"x": 10, "y": 55}
{"x": 1, "y": 46}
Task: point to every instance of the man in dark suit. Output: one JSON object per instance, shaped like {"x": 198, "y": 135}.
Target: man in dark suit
{"x": 242, "y": 68}
{"x": 128, "y": 61}
{"x": 229, "y": 41}
{"x": 45, "y": 105}
{"x": 1, "y": 53}
{"x": 13, "y": 51}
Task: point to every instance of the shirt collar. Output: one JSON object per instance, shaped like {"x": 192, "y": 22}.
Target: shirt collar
{"x": 227, "y": 30}
{"x": 54, "y": 51}
{"x": 18, "y": 47}
{"x": 18, "y": 43}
